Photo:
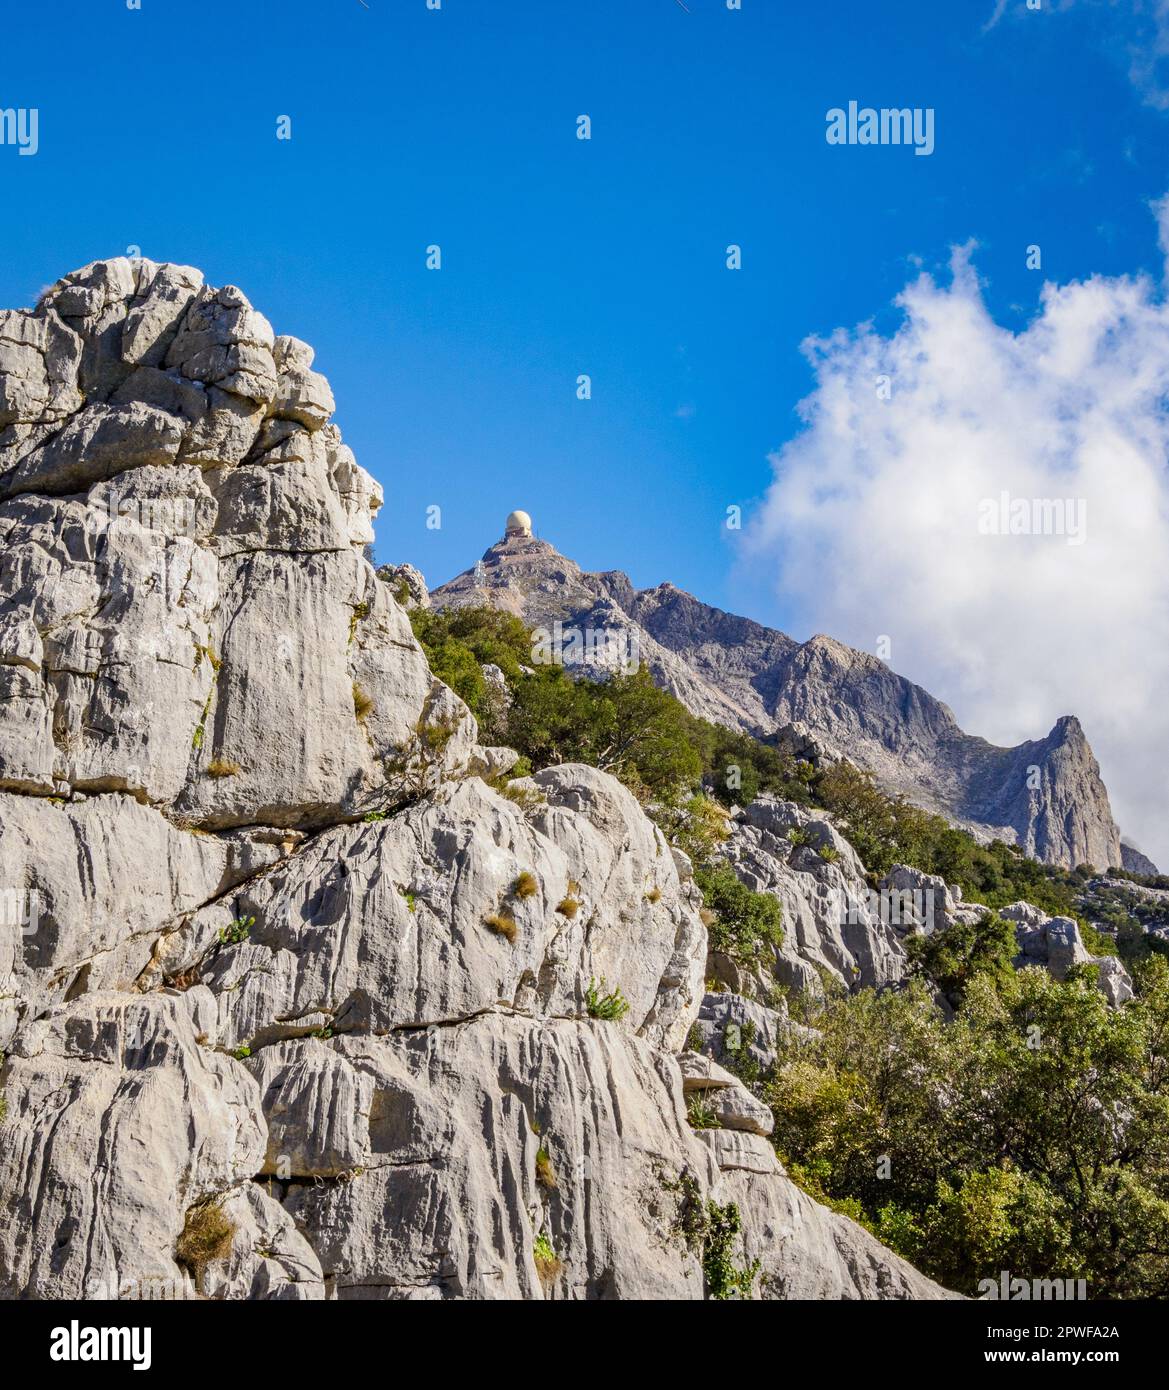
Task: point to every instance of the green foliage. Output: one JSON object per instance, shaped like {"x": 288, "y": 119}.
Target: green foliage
{"x": 697, "y": 825}
{"x": 699, "y": 1114}
{"x": 711, "y": 1231}
{"x": 1030, "y": 1134}
{"x": 725, "y": 1279}
{"x": 747, "y": 925}
{"x": 548, "y": 1263}
{"x": 236, "y": 931}
{"x": 624, "y": 724}
{"x": 460, "y": 642}
{"x": 737, "y": 768}
{"x": 612, "y": 1006}
{"x": 952, "y": 956}
{"x": 737, "y": 1055}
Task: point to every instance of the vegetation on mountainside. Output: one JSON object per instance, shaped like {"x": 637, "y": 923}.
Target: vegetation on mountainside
{"x": 712, "y": 1232}
{"x": 954, "y": 956}
{"x": 625, "y": 725}
{"x": 685, "y": 770}
{"x": 1029, "y": 1134}
{"x": 207, "y": 1235}
{"x": 887, "y": 830}
{"x": 612, "y": 1006}
{"x": 745, "y": 923}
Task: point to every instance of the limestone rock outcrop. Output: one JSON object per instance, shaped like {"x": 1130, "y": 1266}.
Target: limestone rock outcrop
{"x": 832, "y": 921}
{"x": 300, "y": 997}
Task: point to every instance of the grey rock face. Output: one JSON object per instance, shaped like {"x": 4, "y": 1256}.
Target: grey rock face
{"x": 1135, "y": 862}
{"x": 1055, "y": 944}
{"x": 1045, "y": 795}
{"x": 832, "y": 923}
{"x": 273, "y": 955}
{"x": 406, "y": 584}
{"x": 185, "y": 611}
{"x": 118, "y": 1122}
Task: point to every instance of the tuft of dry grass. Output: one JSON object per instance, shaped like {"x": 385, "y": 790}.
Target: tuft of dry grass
{"x": 526, "y": 885}
{"x": 548, "y": 1264}
{"x": 207, "y": 1236}
{"x": 222, "y": 767}
{"x": 362, "y": 703}
{"x": 568, "y": 907}
{"x": 654, "y": 895}
{"x": 502, "y": 925}
{"x": 545, "y": 1173}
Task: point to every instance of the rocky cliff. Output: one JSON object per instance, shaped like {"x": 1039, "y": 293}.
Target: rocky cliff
{"x": 299, "y": 997}
{"x": 1045, "y": 795}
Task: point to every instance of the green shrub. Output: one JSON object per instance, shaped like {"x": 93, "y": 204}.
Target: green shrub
{"x": 710, "y": 1231}
{"x": 953, "y": 956}
{"x": 1029, "y": 1133}
{"x": 724, "y": 1279}
{"x": 746, "y": 924}
{"x": 699, "y": 1114}
{"x": 548, "y": 1264}
{"x": 611, "y": 1007}
{"x": 236, "y": 931}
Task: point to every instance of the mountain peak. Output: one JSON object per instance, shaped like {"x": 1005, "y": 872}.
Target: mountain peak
{"x": 732, "y": 670}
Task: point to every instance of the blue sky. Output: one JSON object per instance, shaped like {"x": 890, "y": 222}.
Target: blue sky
{"x": 457, "y": 126}
{"x": 607, "y": 257}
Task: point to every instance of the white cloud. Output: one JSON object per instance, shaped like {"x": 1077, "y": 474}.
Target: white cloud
{"x": 871, "y": 521}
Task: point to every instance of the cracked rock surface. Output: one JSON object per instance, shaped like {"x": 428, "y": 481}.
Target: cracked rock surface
{"x": 292, "y": 1005}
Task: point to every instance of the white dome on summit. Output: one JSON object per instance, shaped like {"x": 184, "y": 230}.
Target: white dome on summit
{"x": 518, "y": 524}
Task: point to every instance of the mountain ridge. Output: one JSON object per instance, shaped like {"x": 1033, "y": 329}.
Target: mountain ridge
{"x": 1045, "y": 794}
